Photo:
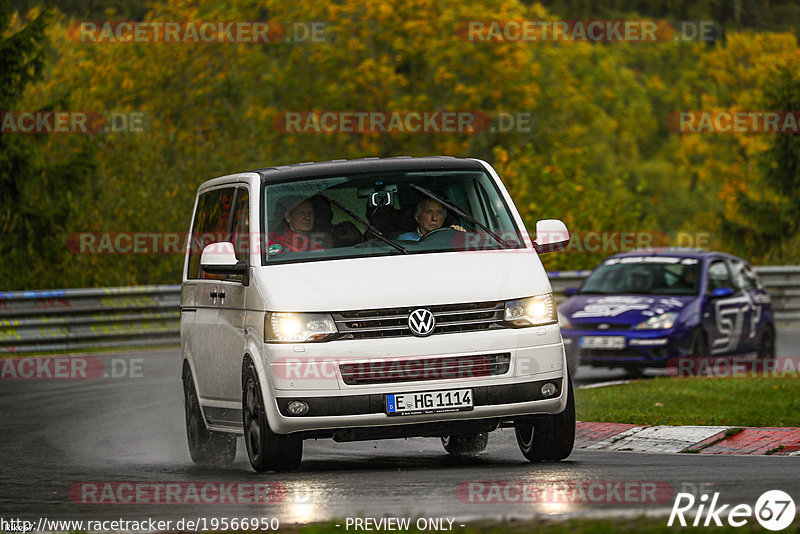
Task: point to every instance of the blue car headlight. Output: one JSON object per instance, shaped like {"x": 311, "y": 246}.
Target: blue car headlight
{"x": 658, "y": 322}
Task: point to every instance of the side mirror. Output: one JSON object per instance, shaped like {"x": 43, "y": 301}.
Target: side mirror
{"x": 570, "y": 291}
{"x": 721, "y": 293}
{"x": 551, "y": 235}
{"x": 220, "y": 258}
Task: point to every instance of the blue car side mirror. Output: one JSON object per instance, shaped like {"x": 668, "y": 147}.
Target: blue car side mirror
{"x": 568, "y": 292}
{"x": 721, "y": 292}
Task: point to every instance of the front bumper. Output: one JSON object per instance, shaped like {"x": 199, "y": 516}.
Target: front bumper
{"x": 536, "y": 357}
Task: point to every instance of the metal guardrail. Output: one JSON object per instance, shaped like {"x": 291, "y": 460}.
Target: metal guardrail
{"x": 76, "y": 319}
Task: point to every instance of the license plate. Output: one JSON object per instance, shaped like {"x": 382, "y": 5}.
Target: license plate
{"x": 424, "y": 402}
{"x": 602, "y": 342}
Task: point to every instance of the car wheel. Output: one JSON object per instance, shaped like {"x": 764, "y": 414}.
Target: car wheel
{"x": 549, "y": 438}
{"x": 465, "y": 444}
{"x": 266, "y": 450}
{"x": 573, "y": 361}
{"x": 766, "y": 347}
{"x": 206, "y": 447}
{"x": 698, "y": 344}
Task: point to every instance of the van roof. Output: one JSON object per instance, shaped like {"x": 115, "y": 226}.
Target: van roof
{"x": 345, "y": 166}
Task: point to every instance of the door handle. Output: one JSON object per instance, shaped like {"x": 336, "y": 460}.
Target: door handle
{"x": 213, "y": 294}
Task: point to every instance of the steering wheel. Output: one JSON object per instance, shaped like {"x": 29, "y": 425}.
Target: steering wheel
{"x": 437, "y": 231}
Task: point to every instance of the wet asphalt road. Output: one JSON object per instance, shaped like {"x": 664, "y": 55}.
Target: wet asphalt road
{"x": 63, "y": 442}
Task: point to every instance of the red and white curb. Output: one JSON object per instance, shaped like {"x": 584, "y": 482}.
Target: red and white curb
{"x": 688, "y": 439}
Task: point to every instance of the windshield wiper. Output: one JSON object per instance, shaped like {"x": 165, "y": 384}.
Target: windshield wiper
{"x": 369, "y": 227}
{"x": 458, "y": 211}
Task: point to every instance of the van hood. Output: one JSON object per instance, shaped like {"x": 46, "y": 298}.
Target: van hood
{"x": 394, "y": 281}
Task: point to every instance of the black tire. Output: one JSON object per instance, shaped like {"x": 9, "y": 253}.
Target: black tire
{"x": 206, "y": 447}
{"x": 573, "y": 361}
{"x": 634, "y": 372}
{"x": 766, "y": 345}
{"x": 466, "y": 444}
{"x": 698, "y": 344}
{"x": 549, "y": 438}
{"x": 266, "y": 450}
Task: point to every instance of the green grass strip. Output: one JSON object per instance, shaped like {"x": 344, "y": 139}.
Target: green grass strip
{"x": 747, "y": 401}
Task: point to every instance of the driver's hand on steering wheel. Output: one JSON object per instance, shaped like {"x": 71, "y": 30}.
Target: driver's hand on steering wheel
{"x": 458, "y": 227}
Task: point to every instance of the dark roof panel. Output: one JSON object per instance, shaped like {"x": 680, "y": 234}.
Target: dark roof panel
{"x": 342, "y": 166}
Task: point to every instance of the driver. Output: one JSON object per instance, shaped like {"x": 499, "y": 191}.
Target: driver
{"x": 429, "y": 215}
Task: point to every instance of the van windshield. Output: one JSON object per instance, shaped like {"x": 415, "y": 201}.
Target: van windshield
{"x": 388, "y": 213}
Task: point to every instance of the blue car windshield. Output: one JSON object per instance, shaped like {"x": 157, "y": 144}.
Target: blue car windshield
{"x": 645, "y": 275}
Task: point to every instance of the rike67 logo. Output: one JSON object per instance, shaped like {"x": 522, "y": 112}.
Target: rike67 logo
{"x": 774, "y": 510}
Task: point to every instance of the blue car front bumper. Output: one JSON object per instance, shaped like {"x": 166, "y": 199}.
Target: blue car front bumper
{"x": 626, "y": 348}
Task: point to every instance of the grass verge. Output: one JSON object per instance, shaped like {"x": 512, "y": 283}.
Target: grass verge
{"x": 746, "y": 401}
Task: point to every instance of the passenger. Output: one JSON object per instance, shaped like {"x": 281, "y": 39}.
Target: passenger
{"x": 343, "y": 234}
{"x": 430, "y": 216}
{"x": 298, "y": 223}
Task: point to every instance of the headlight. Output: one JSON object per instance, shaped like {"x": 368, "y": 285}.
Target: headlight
{"x": 297, "y": 327}
{"x": 658, "y": 322}
{"x": 532, "y": 311}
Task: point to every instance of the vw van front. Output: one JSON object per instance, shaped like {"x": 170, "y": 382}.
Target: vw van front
{"x": 378, "y": 298}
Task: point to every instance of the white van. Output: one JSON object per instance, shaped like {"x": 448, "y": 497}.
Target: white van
{"x": 369, "y": 299}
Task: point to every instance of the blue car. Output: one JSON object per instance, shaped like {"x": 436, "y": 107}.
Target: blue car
{"x": 644, "y": 308}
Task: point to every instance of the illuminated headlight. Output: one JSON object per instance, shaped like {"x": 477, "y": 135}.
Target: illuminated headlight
{"x": 532, "y": 311}
{"x": 297, "y": 327}
{"x": 658, "y": 322}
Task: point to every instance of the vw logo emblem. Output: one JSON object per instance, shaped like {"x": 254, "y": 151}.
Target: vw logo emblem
{"x": 421, "y": 322}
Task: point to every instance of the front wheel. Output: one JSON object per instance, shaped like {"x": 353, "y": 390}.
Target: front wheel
{"x": 766, "y": 346}
{"x": 466, "y": 444}
{"x": 698, "y": 345}
{"x": 549, "y": 438}
{"x": 206, "y": 447}
{"x": 266, "y": 450}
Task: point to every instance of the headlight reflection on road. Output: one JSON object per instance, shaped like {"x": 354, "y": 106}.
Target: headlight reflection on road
{"x": 302, "y": 503}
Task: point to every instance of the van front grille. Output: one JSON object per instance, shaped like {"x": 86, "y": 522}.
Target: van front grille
{"x": 393, "y": 322}
{"x": 391, "y": 371}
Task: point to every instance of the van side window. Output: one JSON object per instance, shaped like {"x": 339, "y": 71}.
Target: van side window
{"x": 211, "y": 224}
{"x": 241, "y": 225}
{"x": 240, "y": 236}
